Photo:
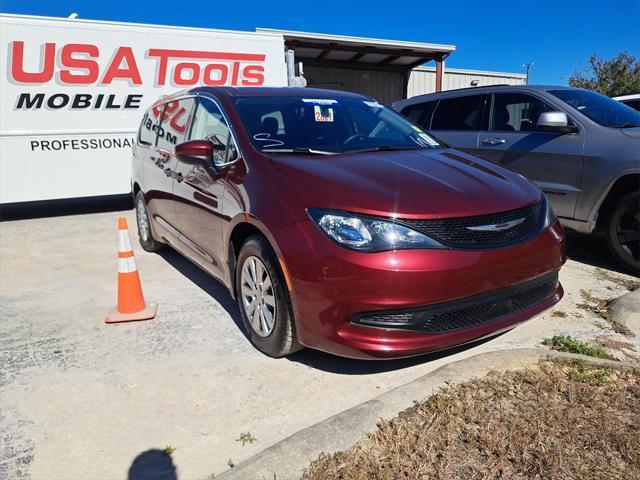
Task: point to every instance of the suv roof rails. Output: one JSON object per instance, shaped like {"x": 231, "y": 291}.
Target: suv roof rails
{"x": 481, "y": 86}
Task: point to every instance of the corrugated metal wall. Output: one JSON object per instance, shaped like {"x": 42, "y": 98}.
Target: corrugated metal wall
{"x": 386, "y": 87}
{"x": 423, "y": 79}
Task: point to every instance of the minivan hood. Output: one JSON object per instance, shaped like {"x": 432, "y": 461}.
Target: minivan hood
{"x": 411, "y": 183}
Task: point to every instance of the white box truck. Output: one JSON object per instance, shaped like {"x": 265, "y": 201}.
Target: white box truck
{"x": 73, "y": 92}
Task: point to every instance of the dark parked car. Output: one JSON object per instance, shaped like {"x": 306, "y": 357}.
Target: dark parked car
{"x": 581, "y": 148}
{"x": 339, "y": 225}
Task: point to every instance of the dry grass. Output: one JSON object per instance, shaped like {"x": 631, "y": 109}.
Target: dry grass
{"x": 560, "y": 421}
{"x": 627, "y": 283}
{"x": 614, "y": 344}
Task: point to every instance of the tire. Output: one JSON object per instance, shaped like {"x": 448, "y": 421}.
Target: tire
{"x": 270, "y": 323}
{"x": 622, "y": 229}
{"x": 145, "y": 235}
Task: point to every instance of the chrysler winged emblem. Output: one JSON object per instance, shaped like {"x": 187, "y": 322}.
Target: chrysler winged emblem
{"x": 497, "y": 227}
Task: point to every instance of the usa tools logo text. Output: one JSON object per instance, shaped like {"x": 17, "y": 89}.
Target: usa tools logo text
{"x": 79, "y": 64}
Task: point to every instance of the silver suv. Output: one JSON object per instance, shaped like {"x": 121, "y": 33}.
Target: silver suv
{"x": 580, "y": 147}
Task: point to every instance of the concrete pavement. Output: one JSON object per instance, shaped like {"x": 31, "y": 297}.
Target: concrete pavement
{"x": 81, "y": 399}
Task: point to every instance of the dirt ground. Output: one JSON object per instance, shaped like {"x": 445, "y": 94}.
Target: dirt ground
{"x": 81, "y": 399}
{"x": 555, "y": 421}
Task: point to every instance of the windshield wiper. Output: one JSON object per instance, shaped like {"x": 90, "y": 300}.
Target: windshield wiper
{"x": 626, "y": 125}
{"x": 303, "y": 151}
{"x": 385, "y": 148}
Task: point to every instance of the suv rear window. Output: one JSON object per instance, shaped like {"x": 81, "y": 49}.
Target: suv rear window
{"x": 459, "y": 113}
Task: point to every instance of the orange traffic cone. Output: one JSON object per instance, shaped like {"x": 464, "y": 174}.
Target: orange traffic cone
{"x": 131, "y": 304}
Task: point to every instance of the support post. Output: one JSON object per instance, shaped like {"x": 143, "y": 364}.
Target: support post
{"x": 439, "y": 73}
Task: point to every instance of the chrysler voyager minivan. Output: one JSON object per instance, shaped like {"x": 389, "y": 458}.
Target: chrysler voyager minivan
{"x": 339, "y": 225}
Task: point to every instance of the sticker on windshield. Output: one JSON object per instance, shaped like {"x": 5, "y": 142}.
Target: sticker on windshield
{"x": 322, "y": 113}
{"x": 417, "y": 129}
{"x": 320, "y": 101}
{"x": 373, "y": 104}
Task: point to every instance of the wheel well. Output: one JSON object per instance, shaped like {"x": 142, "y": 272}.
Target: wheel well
{"x": 239, "y": 235}
{"x": 624, "y": 185}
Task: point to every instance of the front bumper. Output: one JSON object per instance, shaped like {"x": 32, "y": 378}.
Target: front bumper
{"x": 333, "y": 288}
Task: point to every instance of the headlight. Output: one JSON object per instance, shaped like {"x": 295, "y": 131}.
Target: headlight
{"x": 549, "y": 216}
{"x": 367, "y": 234}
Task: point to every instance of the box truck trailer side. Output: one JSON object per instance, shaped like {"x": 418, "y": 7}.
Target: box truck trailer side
{"x": 74, "y": 91}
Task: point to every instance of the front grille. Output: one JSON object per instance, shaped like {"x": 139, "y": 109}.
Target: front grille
{"x": 465, "y": 313}
{"x": 455, "y": 233}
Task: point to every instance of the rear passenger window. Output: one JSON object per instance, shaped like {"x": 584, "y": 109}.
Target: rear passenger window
{"x": 460, "y": 113}
{"x": 419, "y": 113}
{"x": 176, "y": 120}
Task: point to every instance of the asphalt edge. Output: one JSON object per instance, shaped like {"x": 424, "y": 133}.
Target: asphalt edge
{"x": 286, "y": 459}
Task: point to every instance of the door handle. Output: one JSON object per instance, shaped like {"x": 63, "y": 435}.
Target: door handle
{"x": 493, "y": 141}
{"x": 175, "y": 175}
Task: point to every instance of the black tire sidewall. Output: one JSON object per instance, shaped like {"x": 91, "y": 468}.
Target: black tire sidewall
{"x": 273, "y": 345}
{"x": 616, "y": 212}
{"x": 151, "y": 244}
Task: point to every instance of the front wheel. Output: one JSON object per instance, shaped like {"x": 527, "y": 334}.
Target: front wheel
{"x": 263, "y": 299}
{"x": 622, "y": 229}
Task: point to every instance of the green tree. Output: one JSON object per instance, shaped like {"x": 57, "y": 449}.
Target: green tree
{"x": 612, "y": 77}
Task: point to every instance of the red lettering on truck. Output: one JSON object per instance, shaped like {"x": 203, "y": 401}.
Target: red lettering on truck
{"x": 241, "y": 63}
{"x": 78, "y": 65}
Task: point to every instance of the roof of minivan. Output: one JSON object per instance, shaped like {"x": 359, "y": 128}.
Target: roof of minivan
{"x": 276, "y": 92}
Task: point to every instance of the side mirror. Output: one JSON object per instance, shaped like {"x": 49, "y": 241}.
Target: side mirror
{"x": 197, "y": 152}
{"x": 554, "y": 122}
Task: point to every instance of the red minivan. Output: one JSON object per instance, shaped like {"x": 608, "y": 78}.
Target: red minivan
{"x": 339, "y": 225}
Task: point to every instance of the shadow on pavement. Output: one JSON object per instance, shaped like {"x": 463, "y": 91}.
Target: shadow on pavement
{"x": 70, "y": 206}
{"x": 592, "y": 250}
{"x": 206, "y": 282}
{"x": 152, "y": 465}
{"x": 349, "y": 366}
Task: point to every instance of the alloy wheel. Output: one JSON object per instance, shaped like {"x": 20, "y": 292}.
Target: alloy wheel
{"x": 143, "y": 220}
{"x": 628, "y": 233}
{"x": 258, "y": 297}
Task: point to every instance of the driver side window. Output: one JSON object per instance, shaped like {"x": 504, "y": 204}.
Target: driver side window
{"x": 516, "y": 112}
{"x": 209, "y": 124}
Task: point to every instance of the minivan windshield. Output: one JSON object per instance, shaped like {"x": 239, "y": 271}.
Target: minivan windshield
{"x": 602, "y": 110}
{"x": 284, "y": 125}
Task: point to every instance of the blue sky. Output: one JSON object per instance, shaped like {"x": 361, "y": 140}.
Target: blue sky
{"x": 556, "y": 35}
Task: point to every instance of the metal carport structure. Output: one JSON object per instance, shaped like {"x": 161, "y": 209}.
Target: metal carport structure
{"x": 374, "y": 67}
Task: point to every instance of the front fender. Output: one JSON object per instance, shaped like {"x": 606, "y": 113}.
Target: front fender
{"x": 595, "y": 209}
